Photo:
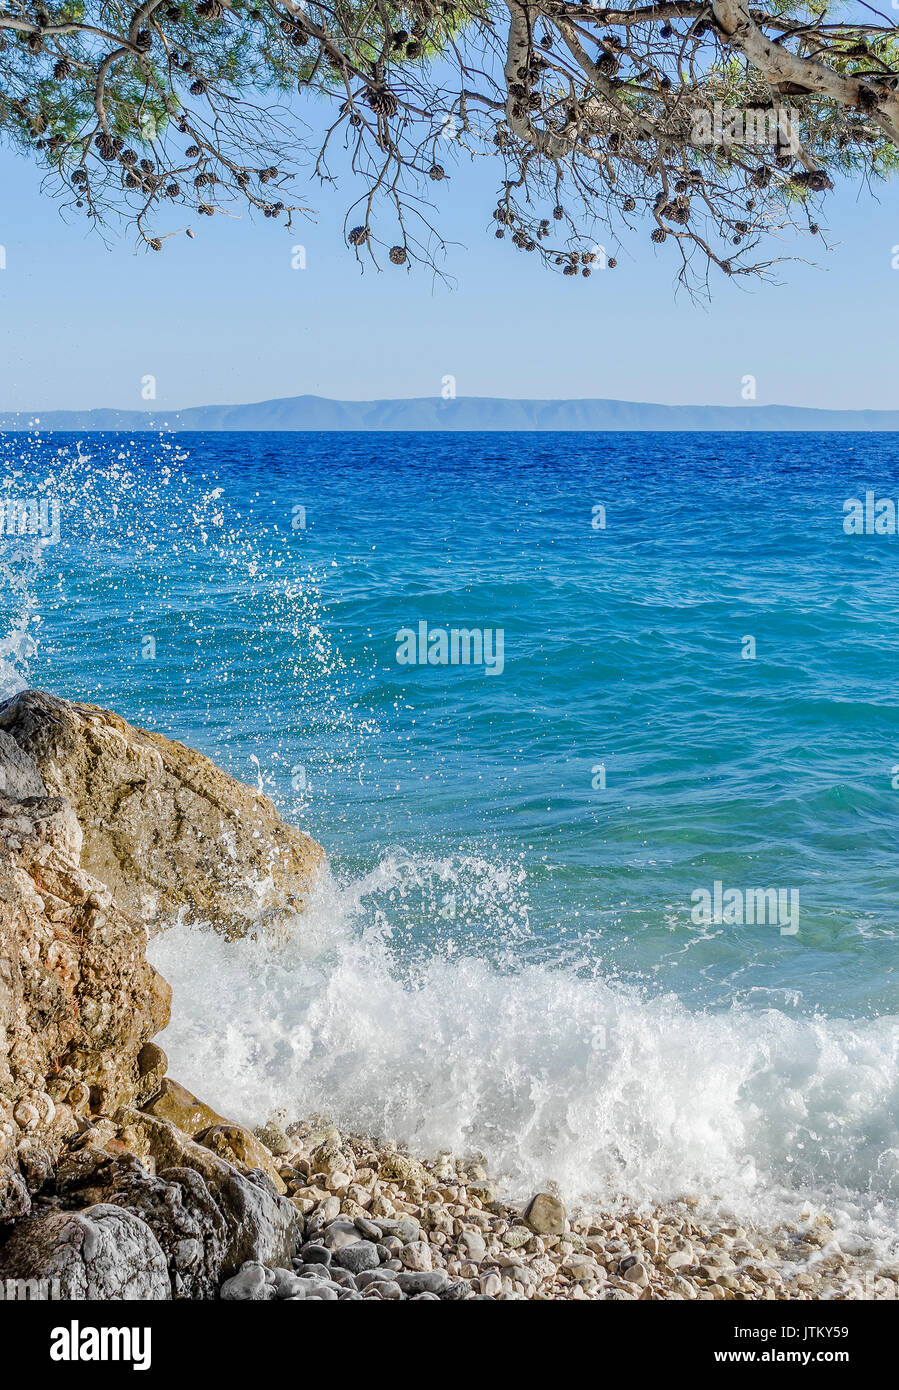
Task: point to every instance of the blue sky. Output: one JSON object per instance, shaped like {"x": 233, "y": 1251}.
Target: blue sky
{"x": 225, "y": 318}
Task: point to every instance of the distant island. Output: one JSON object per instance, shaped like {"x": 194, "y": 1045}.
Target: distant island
{"x": 463, "y": 413}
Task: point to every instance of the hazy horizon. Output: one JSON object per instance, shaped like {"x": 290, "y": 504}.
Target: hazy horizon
{"x": 225, "y": 318}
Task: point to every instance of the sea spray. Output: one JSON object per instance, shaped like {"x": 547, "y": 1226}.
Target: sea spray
{"x": 556, "y": 1075}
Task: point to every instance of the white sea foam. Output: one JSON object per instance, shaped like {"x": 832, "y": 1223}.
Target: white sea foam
{"x": 553, "y": 1074}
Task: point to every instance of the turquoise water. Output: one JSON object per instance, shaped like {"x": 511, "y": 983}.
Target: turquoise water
{"x": 505, "y": 954}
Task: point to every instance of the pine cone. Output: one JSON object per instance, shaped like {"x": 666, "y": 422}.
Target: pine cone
{"x": 381, "y": 100}
{"x": 659, "y": 234}
{"x": 398, "y": 255}
{"x": 358, "y": 236}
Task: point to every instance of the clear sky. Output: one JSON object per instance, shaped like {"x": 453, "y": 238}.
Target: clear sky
{"x": 225, "y": 318}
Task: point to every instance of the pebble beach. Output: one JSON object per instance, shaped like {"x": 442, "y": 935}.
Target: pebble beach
{"x": 379, "y": 1223}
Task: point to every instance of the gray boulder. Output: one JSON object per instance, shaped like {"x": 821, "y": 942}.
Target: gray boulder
{"x": 101, "y": 1253}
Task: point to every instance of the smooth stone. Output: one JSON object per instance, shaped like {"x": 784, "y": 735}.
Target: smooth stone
{"x": 417, "y": 1255}
{"x": 385, "y": 1292}
{"x": 312, "y": 1254}
{"x": 313, "y": 1271}
{"x": 340, "y": 1234}
{"x": 342, "y": 1277}
{"x": 368, "y": 1229}
{"x": 251, "y": 1283}
{"x": 359, "y": 1256}
{"x": 405, "y": 1229}
{"x": 374, "y": 1276}
{"x": 474, "y": 1245}
{"x": 412, "y": 1281}
{"x": 546, "y": 1215}
{"x": 287, "y": 1284}
{"x": 679, "y": 1259}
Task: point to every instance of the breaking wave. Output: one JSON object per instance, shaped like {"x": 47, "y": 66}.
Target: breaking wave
{"x": 554, "y": 1074}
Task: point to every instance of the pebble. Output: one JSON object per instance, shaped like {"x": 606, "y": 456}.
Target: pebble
{"x": 382, "y": 1225}
{"x": 339, "y": 1234}
{"x": 416, "y": 1255}
{"x": 473, "y": 1245}
{"x": 546, "y": 1215}
{"x": 362, "y": 1255}
{"x": 315, "y": 1254}
{"x": 423, "y": 1281}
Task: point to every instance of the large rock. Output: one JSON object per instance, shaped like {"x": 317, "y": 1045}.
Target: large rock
{"x": 164, "y": 829}
{"x": 181, "y": 1108}
{"x": 102, "y": 825}
{"x": 238, "y": 1145}
{"x": 260, "y": 1224}
{"x": 103, "y": 1253}
{"x": 176, "y": 1204}
{"x": 78, "y": 999}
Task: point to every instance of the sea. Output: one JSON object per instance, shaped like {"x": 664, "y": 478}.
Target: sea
{"x": 600, "y": 733}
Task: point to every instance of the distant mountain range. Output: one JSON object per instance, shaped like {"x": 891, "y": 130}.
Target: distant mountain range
{"x": 464, "y": 413}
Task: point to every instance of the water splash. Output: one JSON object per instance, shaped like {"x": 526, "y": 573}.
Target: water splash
{"x": 556, "y": 1075}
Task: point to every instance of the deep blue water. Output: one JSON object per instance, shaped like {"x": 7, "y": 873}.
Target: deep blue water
{"x": 466, "y": 808}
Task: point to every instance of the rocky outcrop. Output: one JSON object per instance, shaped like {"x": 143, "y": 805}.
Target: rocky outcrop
{"x": 164, "y": 829}
{"x": 78, "y": 999}
{"x": 116, "y": 1182}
